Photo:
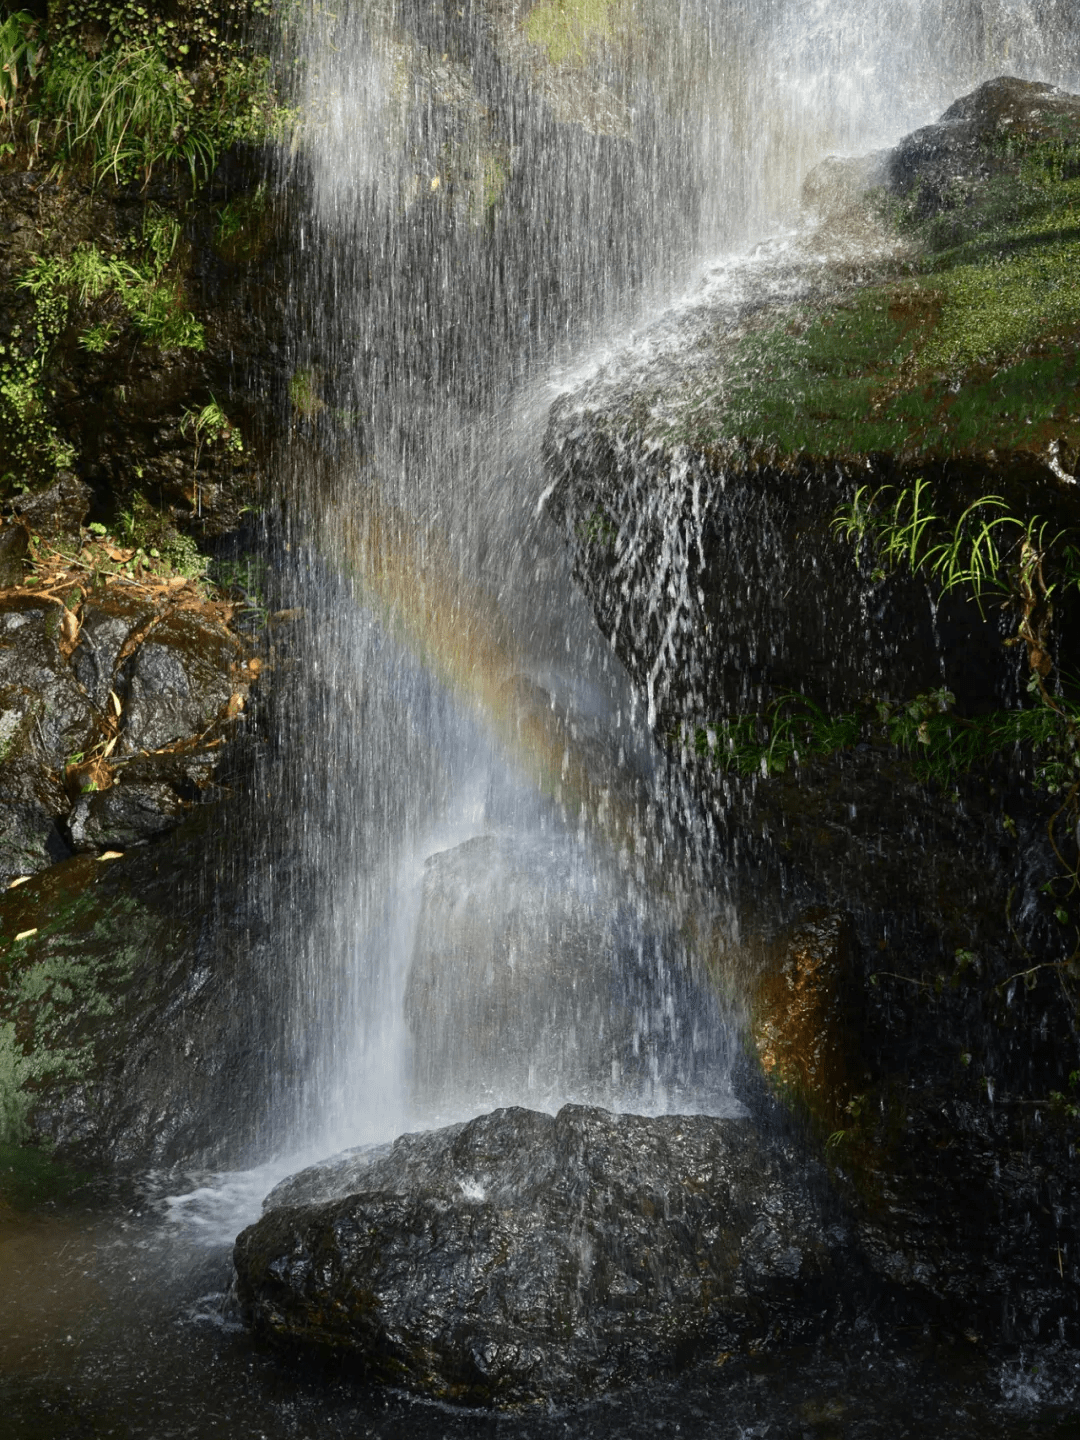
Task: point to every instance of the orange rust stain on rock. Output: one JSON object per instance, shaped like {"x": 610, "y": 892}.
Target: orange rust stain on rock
{"x": 797, "y": 1018}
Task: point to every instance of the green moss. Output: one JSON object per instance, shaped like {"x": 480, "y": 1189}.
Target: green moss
{"x": 975, "y": 348}
{"x": 304, "y": 394}
{"x": 567, "y": 29}
{"x": 59, "y": 981}
{"x": 495, "y": 172}
{"x": 97, "y": 293}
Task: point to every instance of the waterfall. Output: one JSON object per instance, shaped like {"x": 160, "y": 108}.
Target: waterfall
{"x": 489, "y": 197}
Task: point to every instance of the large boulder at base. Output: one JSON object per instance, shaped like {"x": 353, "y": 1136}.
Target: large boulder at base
{"x": 521, "y": 1256}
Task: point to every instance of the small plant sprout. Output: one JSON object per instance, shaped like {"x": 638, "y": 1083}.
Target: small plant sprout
{"x": 209, "y": 426}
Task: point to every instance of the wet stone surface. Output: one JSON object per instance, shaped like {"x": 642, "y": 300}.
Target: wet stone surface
{"x": 522, "y": 1256}
{"x": 124, "y": 677}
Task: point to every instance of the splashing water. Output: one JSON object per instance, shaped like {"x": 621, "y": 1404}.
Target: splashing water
{"x": 493, "y": 193}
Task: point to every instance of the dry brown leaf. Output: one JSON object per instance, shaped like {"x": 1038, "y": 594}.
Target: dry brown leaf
{"x": 235, "y": 705}
{"x": 254, "y": 667}
{"x": 111, "y": 855}
{"x": 115, "y": 702}
{"x": 19, "y": 880}
{"x": 69, "y": 626}
{"x": 25, "y": 934}
{"x": 110, "y": 747}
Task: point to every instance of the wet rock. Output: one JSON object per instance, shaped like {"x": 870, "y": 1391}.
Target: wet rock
{"x": 57, "y": 511}
{"x": 176, "y": 683}
{"x": 530, "y": 981}
{"x": 798, "y": 1022}
{"x": 123, "y": 815}
{"x": 13, "y": 546}
{"x": 939, "y": 1019}
{"x": 839, "y": 182}
{"x": 523, "y": 1257}
{"x": 36, "y": 681}
{"x": 31, "y": 804}
{"x": 134, "y": 680}
{"x": 106, "y": 622}
{"x": 941, "y": 166}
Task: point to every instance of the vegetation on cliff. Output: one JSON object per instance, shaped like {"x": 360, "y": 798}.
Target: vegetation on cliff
{"x": 967, "y": 345}
{"x": 137, "y": 340}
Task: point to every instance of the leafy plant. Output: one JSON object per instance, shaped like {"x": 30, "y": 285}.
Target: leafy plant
{"x": 939, "y": 744}
{"x": 152, "y": 298}
{"x": 126, "y": 111}
{"x": 209, "y": 425}
{"x": 987, "y": 551}
{"x": 21, "y": 51}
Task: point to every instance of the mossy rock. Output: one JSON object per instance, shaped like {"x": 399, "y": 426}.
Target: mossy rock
{"x": 135, "y": 1015}
{"x": 69, "y": 956}
{"x": 962, "y": 345}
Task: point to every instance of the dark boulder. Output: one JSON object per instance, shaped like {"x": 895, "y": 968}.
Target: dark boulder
{"x": 176, "y": 682}
{"x": 58, "y": 510}
{"x": 123, "y": 815}
{"x": 941, "y": 166}
{"x": 107, "y": 619}
{"x": 523, "y": 1257}
{"x": 31, "y": 802}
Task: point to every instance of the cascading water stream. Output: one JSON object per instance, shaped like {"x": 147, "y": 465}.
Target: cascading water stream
{"x": 494, "y": 195}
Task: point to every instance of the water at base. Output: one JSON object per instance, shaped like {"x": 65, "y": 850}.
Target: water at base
{"x": 118, "y": 1326}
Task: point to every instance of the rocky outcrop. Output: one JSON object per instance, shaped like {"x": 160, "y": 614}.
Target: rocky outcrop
{"x": 704, "y": 491}
{"x": 942, "y": 167}
{"x": 522, "y": 1257}
{"x": 117, "y": 693}
{"x": 141, "y": 335}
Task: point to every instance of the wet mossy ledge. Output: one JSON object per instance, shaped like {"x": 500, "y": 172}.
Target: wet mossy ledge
{"x": 829, "y": 517}
{"x": 962, "y": 342}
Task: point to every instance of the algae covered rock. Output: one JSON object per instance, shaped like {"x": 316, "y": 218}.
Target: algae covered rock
{"x": 135, "y": 1021}
{"x": 527, "y": 1257}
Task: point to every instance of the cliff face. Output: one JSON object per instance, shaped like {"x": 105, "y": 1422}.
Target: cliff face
{"x": 828, "y": 522}
{"x": 141, "y": 349}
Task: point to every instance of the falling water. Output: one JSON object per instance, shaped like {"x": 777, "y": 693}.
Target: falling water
{"x": 515, "y": 903}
